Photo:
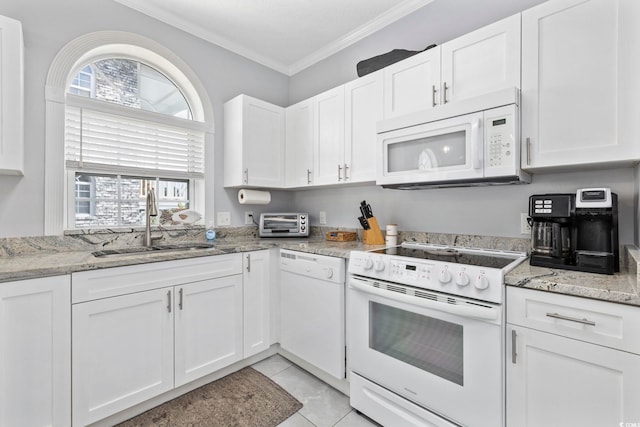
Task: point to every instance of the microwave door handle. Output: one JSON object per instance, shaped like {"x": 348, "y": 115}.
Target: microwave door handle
{"x": 476, "y": 143}
{"x": 466, "y": 311}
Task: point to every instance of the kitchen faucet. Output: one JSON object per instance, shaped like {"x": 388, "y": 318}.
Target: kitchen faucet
{"x": 151, "y": 211}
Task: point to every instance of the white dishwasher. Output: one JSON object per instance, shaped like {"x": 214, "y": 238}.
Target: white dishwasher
{"x": 312, "y": 309}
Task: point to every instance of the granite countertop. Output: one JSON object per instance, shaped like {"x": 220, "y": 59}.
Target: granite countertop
{"x": 620, "y": 287}
{"x": 51, "y": 261}
{"x": 27, "y": 258}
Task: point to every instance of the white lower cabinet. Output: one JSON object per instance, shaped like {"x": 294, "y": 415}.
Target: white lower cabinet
{"x": 257, "y": 302}
{"x": 122, "y": 353}
{"x": 127, "y": 347}
{"x": 559, "y": 370}
{"x": 35, "y": 352}
{"x": 208, "y": 327}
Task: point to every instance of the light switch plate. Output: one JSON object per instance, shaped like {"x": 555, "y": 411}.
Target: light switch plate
{"x": 224, "y": 218}
{"x": 323, "y": 218}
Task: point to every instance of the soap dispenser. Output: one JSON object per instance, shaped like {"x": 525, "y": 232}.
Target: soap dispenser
{"x": 210, "y": 234}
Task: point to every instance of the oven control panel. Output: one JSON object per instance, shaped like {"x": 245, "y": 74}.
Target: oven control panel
{"x": 457, "y": 279}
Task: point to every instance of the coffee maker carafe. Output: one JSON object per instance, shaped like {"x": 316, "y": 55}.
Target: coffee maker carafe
{"x": 575, "y": 231}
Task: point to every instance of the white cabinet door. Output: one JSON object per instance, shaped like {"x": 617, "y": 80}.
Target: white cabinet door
{"x": 557, "y": 381}
{"x": 412, "y": 84}
{"x": 363, "y": 108}
{"x": 257, "y": 302}
{"x": 11, "y": 97}
{"x": 328, "y": 142}
{"x": 208, "y": 327}
{"x": 299, "y": 144}
{"x": 122, "y": 352}
{"x": 35, "y": 352}
{"x": 253, "y": 143}
{"x": 483, "y": 61}
{"x": 579, "y": 101}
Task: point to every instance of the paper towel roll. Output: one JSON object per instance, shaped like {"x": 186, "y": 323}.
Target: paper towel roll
{"x": 254, "y": 197}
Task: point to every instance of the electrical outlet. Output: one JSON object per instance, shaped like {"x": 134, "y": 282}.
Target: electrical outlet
{"x": 525, "y": 228}
{"x": 224, "y": 218}
{"x": 323, "y": 218}
{"x": 248, "y": 218}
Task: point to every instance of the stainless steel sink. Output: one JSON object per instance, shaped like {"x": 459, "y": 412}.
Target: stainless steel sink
{"x": 180, "y": 247}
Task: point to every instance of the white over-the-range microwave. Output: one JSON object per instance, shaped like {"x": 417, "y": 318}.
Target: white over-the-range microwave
{"x": 469, "y": 142}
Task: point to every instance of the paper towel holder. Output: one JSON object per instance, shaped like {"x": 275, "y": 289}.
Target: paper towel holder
{"x": 254, "y": 197}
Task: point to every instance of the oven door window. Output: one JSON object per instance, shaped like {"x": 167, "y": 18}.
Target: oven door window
{"x": 430, "y": 344}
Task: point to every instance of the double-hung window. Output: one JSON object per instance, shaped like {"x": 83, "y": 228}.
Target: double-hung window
{"x": 128, "y": 125}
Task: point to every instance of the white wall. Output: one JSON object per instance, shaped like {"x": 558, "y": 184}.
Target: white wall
{"x": 49, "y": 25}
{"x": 489, "y": 211}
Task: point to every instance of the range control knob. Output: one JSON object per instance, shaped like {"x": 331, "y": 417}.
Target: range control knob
{"x": 368, "y": 264}
{"x": 462, "y": 279}
{"x": 328, "y": 273}
{"x": 445, "y": 276}
{"x": 482, "y": 282}
{"x": 379, "y": 265}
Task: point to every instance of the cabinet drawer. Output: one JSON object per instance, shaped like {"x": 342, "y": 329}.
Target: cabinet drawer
{"x": 108, "y": 282}
{"x": 599, "y": 322}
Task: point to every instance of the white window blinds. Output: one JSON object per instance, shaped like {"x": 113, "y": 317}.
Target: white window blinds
{"x": 101, "y": 137}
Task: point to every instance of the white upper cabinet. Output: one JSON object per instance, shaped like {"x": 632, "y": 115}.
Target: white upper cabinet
{"x": 253, "y": 143}
{"x": 328, "y": 140}
{"x": 345, "y": 131}
{"x": 11, "y": 97}
{"x": 483, "y": 61}
{"x": 299, "y": 144}
{"x": 580, "y": 85}
{"x": 363, "y": 108}
{"x": 412, "y": 84}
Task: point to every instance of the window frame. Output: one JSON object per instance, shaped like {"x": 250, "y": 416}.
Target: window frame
{"x": 72, "y": 58}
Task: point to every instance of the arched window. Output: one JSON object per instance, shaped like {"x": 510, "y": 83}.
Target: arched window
{"x": 131, "y": 118}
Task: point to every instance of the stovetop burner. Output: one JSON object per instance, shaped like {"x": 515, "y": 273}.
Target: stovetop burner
{"x": 451, "y": 254}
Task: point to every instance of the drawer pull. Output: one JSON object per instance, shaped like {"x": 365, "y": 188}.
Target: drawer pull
{"x": 571, "y": 319}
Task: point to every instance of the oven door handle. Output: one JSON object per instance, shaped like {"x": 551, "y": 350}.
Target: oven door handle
{"x": 478, "y": 312}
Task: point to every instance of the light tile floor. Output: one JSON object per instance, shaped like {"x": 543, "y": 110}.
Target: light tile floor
{"x": 324, "y": 406}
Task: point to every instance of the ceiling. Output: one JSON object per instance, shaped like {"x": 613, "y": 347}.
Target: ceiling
{"x": 285, "y": 35}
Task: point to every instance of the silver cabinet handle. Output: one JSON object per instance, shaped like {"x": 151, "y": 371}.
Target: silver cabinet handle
{"x": 433, "y": 95}
{"x": 572, "y": 319}
{"x": 169, "y": 301}
{"x": 346, "y": 168}
{"x": 514, "y": 354}
{"x": 248, "y": 263}
{"x": 528, "y": 151}
{"x": 246, "y": 176}
{"x": 180, "y": 304}
{"x": 339, "y": 173}
{"x": 308, "y": 176}
{"x": 444, "y": 92}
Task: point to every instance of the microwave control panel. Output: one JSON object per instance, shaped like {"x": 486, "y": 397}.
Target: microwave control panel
{"x": 500, "y": 141}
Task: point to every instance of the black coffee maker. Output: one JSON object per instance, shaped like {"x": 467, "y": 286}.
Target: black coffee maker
{"x": 575, "y": 231}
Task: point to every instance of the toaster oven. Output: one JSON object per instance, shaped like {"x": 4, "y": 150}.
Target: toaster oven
{"x": 284, "y": 224}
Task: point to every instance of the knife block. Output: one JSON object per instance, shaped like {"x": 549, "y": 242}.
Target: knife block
{"x": 372, "y": 236}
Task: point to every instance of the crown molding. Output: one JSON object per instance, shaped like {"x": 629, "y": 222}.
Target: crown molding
{"x": 403, "y": 9}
